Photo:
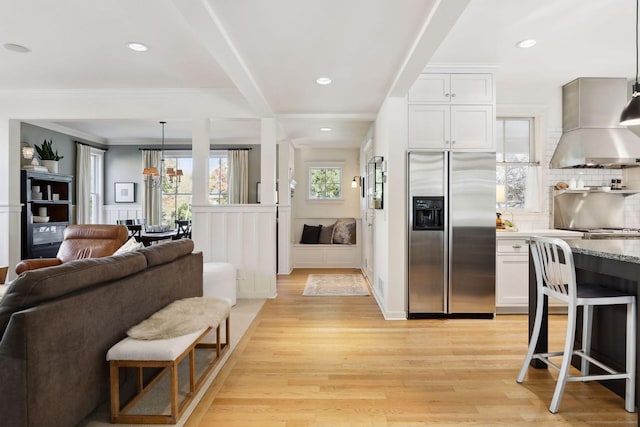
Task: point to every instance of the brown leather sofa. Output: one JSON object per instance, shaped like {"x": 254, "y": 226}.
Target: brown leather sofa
{"x": 81, "y": 241}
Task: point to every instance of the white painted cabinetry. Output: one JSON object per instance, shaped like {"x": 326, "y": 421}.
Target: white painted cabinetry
{"x": 452, "y": 111}
{"x": 512, "y": 273}
{"x": 467, "y": 88}
{"x": 512, "y": 268}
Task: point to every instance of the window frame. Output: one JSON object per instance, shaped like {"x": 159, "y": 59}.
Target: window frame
{"x": 536, "y": 145}
{"x": 325, "y": 165}
{"x": 218, "y": 154}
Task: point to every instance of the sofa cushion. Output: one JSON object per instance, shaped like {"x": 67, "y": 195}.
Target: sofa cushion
{"x": 36, "y": 286}
{"x": 167, "y": 251}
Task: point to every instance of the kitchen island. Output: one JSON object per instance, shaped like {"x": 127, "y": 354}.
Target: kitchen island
{"x": 610, "y": 263}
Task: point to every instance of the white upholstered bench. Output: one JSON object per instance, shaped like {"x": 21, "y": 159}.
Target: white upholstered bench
{"x": 165, "y": 353}
{"x": 219, "y": 280}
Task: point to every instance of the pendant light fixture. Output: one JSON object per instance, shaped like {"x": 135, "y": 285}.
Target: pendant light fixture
{"x": 631, "y": 114}
{"x": 158, "y": 176}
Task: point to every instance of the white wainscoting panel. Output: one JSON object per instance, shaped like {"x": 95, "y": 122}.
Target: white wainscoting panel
{"x": 112, "y": 213}
{"x": 284, "y": 239}
{"x": 243, "y": 235}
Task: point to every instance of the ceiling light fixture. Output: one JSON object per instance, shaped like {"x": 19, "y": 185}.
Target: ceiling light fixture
{"x": 631, "y": 114}
{"x": 527, "y": 43}
{"x": 325, "y": 129}
{"x": 138, "y": 47}
{"x": 16, "y": 48}
{"x": 323, "y": 81}
{"x": 152, "y": 173}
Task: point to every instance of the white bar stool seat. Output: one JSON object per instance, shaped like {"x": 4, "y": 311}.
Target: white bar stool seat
{"x": 556, "y": 277}
{"x": 219, "y": 281}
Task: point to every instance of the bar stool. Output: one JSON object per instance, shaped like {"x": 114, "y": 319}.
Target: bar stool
{"x": 556, "y": 277}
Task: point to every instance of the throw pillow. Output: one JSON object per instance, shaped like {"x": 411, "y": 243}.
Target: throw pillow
{"x": 311, "y": 233}
{"x": 129, "y": 245}
{"x": 326, "y": 234}
{"x": 344, "y": 232}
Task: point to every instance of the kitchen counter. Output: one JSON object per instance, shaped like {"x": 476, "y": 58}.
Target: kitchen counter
{"x": 548, "y": 232}
{"x": 626, "y": 250}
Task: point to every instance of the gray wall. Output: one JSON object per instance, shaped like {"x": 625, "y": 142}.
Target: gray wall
{"x": 122, "y": 163}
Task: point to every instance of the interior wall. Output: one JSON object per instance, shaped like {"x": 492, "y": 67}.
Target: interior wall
{"x": 349, "y": 206}
{"x": 63, "y": 143}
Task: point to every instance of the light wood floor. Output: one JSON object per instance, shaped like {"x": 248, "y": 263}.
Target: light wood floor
{"x": 334, "y": 361}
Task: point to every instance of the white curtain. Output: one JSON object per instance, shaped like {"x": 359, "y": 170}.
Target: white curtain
{"x": 533, "y": 189}
{"x": 238, "y": 176}
{"x": 151, "y": 201}
{"x": 83, "y": 184}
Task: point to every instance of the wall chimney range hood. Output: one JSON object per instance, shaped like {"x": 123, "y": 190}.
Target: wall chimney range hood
{"x": 591, "y": 134}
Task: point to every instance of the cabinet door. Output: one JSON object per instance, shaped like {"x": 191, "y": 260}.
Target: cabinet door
{"x": 471, "y": 88}
{"x": 429, "y": 126}
{"x": 512, "y": 281}
{"x": 431, "y": 88}
{"x": 472, "y": 127}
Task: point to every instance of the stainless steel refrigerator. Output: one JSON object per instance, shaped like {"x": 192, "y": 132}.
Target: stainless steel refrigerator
{"x": 451, "y": 235}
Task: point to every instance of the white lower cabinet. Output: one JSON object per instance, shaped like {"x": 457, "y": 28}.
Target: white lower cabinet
{"x": 512, "y": 272}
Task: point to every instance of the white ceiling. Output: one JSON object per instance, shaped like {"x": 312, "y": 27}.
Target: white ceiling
{"x": 272, "y": 51}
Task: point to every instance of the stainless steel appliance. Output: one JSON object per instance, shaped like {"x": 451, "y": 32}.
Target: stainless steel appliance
{"x": 451, "y": 263}
{"x": 592, "y": 135}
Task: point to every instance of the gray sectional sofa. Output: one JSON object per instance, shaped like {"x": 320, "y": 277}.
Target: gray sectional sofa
{"x": 57, "y": 323}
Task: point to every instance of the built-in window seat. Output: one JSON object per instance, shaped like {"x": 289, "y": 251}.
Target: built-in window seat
{"x": 344, "y": 251}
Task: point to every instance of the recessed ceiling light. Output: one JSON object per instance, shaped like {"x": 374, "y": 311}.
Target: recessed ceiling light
{"x": 16, "y": 48}
{"x": 138, "y": 47}
{"x": 523, "y": 44}
{"x": 325, "y": 129}
{"x": 323, "y": 81}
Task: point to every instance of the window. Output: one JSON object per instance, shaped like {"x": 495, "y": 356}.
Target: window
{"x": 96, "y": 196}
{"x": 218, "y": 184}
{"x": 325, "y": 183}
{"x": 176, "y": 193}
{"x": 515, "y": 168}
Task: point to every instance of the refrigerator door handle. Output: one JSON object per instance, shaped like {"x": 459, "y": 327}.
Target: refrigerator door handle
{"x": 447, "y": 256}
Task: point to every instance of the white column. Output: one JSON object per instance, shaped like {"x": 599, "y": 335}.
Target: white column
{"x": 10, "y": 208}
{"x": 268, "y": 136}
{"x": 284, "y": 208}
{"x": 200, "y": 152}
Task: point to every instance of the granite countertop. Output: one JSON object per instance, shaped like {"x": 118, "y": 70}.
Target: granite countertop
{"x": 627, "y": 250}
{"x": 549, "y": 232}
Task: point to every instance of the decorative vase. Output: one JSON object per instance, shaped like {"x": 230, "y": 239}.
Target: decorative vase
{"x": 51, "y": 165}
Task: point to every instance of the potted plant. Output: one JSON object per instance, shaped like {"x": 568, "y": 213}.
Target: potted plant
{"x": 48, "y": 156}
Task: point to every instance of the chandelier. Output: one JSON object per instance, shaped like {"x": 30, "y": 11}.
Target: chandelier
{"x": 156, "y": 177}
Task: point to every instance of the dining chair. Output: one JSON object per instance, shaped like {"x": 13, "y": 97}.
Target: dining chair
{"x": 556, "y": 278}
{"x": 183, "y": 229}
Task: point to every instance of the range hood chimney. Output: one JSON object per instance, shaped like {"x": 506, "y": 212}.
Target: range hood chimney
{"x": 591, "y": 134}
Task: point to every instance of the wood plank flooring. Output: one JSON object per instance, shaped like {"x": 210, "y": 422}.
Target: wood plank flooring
{"x": 334, "y": 361}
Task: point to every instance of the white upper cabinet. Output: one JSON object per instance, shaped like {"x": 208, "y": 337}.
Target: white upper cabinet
{"x": 452, "y": 88}
{"x": 452, "y": 112}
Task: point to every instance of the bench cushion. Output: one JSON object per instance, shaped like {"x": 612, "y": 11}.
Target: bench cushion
{"x": 167, "y": 349}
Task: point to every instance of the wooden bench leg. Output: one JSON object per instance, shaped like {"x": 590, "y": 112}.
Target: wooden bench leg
{"x": 115, "y": 390}
{"x": 174, "y": 392}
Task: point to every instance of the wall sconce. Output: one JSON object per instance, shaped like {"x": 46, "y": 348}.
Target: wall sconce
{"x": 356, "y": 181}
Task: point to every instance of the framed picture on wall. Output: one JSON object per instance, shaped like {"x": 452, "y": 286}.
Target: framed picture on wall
{"x": 125, "y": 192}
